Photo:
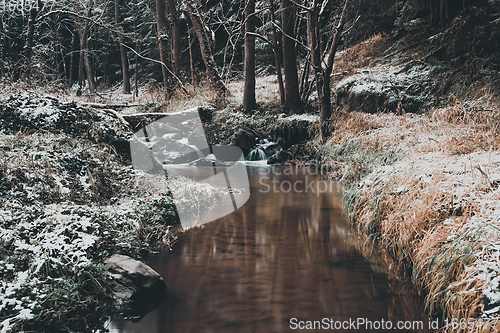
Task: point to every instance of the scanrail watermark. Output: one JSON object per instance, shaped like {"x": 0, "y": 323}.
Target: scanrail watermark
{"x": 361, "y": 324}
{"x": 311, "y": 180}
{"x": 364, "y": 324}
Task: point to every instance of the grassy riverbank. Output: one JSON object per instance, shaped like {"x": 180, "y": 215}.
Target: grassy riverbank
{"x": 425, "y": 187}
{"x": 69, "y": 199}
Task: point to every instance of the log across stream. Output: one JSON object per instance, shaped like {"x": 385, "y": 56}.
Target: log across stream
{"x": 286, "y": 260}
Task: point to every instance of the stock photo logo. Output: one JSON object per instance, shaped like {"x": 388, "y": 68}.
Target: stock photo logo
{"x": 176, "y": 144}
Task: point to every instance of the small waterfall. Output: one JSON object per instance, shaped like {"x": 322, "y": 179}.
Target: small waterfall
{"x": 263, "y": 151}
{"x": 256, "y": 154}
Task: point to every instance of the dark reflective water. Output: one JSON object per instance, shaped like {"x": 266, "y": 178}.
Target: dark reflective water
{"x": 281, "y": 256}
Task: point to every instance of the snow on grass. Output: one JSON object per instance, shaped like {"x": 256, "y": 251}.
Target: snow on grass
{"x": 311, "y": 118}
{"x": 427, "y": 187}
{"x": 266, "y": 90}
{"x": 67, "y": 202}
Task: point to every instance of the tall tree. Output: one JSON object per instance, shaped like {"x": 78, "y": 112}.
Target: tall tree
{"x": 249, "y": 63}
{"x": 173, "y": 19}
{"x": 30, "y": 35}
{"x": 322, "y": 62}
{"x": 123, "y": 51}
{"x": 443, "y": 11}
{"x": 59, "y": 63}
{"x": 83, "y": 27}
{"x": 292, "y": 96}
{"x": 276, "y": 52}
{"x": 161, "y": 28}
{"x": 206, "y": 53}
{"x": 2, "y": 42}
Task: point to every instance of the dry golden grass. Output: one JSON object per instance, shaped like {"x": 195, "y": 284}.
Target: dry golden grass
{"x": 363, "y": 54}
{"x": 179, "y": 100}
{"x": 425, "y": 221}
{"x": 443, "y": 271}
{"x": 354, "y": 124}
{"x": 409, "y": 224}
{"x": 478, "y": 118}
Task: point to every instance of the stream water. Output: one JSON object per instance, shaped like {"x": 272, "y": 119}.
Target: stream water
{"x": 287, "y": 253}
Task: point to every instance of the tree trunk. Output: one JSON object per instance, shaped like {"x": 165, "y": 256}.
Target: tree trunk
{"x": 206, "y": 52}
{"x": 191, "y": 64}
{"x": 2, "y": 42}
{"x": 322, "y": 72}
{"x": 176, "y": 36}
{"x": 292, "y": 96}
{"x": 123, "y": 52}
{"x": 433, "y": 13}
{"x": 59, "y": 61}
{"x": 444, "y": 12}
{"x": 161, "y": 27}
{"x": 326, "y": 110}
{"x": 72, "y": 56}
{"x": 85, "y": 64}
{"x": 30, "y": 35}
{"x": 81, "y": 73}
{"x": 313, "y": 41}
{"x": 89, "y": 70}
{"x": 249, "y": 64}
{"x": 277, "y": 55}
{"x": 136, "y": 67}
{"x": 440, "y": 12}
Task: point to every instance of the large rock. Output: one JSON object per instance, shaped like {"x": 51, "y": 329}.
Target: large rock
{"x": 294, "y": 129}
{"x": 280, "y": 157}
{"x": 138, "y": 289}
{"x": 388, "y": 88}
{"x": 31, "y": 112}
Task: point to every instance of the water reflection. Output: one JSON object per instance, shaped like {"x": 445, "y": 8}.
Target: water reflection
{"x": 281, "y": 256}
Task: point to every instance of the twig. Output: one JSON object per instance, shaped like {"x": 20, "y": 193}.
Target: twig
{"x": 288, "y": 36}
{"x": 265, "y": 39}
{"x": 109, "y": 106}
{"x": 161, "y": 63}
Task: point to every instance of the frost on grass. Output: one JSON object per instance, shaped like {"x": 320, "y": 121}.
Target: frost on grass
{"x": 427, "y": 188}
{"x": 51, "y": 257}
{"x": 68, "y": 200}
{"x": 30, "y": 112}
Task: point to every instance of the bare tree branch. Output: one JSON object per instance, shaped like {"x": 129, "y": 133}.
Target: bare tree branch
{"x": 264, "y": 38}
{"x": 294, "y": 39}
{"x": 336, "y": 38}
{"x": 307, "y": 9}
{"x": 161, "y": 63}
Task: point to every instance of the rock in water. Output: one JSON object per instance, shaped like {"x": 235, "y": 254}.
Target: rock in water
{"x": 280, "y": 157}
{"x": 138, "y": 289}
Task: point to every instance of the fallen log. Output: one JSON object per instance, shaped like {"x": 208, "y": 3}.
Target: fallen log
{"x": 109, "y": 106}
